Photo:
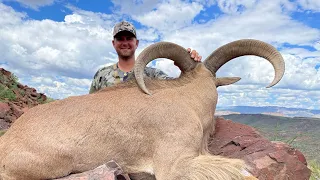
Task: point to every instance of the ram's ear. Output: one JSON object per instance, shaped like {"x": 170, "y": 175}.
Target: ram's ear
{"x": 226, "y": 81}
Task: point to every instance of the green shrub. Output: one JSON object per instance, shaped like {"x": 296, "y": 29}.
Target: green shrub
{"x": 6, "y": 93}
{"x": 2, "y": 132}
{"x": 314, "y": 166}
{"x": 22, "y": 92}
{"x": 49, "y": 99}
{"x": 14, "y": 78}
{"x": 15, "y": 82}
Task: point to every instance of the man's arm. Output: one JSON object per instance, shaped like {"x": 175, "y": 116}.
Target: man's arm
{"x": 100, "y": 79}
{"x": 92, "y": 88}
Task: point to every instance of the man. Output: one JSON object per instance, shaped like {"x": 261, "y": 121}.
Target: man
{"x": 125, "y": 43}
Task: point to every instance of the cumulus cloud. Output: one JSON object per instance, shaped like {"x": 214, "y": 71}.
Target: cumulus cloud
{"x": 60, "y": 58}
{"x": 313, "y": 5}
{"x": 181, "y": 14}
{"x": 9, "y": 16}
{"x": 75, "y": 48}
{"x": 235, "y": 6}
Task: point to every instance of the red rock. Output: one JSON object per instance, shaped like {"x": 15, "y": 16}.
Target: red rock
{"x": 268, "y": 160}
{"x": 4, "y": 109}
{"x": 17, "y": 111}
{"x": 34, "y": 94}
{"x": 103, "y": 172}
{"x": 20, "y": 86}
{"x": 9, "y": 119}
{"x": 5, "y": 72}
{"x": 25, "y": 109}
{"x": 4, "y": 124}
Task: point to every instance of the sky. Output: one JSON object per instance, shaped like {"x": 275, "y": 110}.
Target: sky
{"x": 56, "y": 46}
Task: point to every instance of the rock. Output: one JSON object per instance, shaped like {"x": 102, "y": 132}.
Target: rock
{"x": 21, "y": 86}
{"x": 34, "y": 94}
{"x": 4, "y": 125}
{"x": 100, "y": 173}
{"x": 4, "y": 109}
{"x": 9, "y": 119}
{"x": 268, "y": 160}
{"x": 5, "y": 72}
{"x": 16, "y": 110}
{"x": 109, "y": 171}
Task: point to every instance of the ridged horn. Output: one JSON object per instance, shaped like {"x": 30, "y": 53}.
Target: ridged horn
{"x": 168, "y": 50}
{"x": 247, "y": 47}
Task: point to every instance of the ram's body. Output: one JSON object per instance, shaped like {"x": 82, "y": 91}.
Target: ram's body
{"x": 83, "y": 132}
{"x": 163, "y": 134}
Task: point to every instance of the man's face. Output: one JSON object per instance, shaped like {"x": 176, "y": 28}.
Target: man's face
{"x": 125, "y": 44}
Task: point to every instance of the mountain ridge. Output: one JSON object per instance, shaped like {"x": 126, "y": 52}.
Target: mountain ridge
{"x": 272, "y": 110}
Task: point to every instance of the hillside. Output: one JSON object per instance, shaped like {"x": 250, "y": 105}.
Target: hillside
{"x": 16, "y": 98}
{"x": 302, "y": 133}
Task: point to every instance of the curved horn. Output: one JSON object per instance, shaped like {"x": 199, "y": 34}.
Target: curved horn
{"x": 172, "y": 51}
{"x": 247, "y": 47}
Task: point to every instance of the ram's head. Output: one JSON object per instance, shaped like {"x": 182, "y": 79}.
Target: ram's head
{"x": 217, "y": 59}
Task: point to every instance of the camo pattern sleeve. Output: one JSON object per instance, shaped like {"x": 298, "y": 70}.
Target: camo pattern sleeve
{"x": 102, "y": 78}
{"x": 155, "y": 73}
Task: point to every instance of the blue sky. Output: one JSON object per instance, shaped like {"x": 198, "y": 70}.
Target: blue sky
{"x": 57, "y": 46}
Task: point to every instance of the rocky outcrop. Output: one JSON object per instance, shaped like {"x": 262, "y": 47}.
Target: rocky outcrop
{"x": 267, "y": 159}
{"x": 15, "y": 98}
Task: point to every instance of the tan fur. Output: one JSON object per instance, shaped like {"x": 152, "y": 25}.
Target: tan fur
{"x": 165, "y": 134}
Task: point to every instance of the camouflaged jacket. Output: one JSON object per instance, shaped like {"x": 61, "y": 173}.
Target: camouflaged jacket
{"x": 111, "y": 75}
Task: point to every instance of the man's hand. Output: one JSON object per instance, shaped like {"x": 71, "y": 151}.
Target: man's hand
{"x": 194, "y": 54}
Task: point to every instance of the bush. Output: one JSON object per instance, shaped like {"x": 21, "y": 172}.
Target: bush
{"x": 2, "y": 132}
{"x": 6, "y": 93}
{"x": 314, "y": 166}
{"x": 49, "y": 99}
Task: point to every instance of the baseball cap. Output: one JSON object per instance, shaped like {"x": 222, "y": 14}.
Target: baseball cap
{"x": 124, "y": 26}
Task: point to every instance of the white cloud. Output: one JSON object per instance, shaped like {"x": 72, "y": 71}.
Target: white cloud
{"x": 181, "y": 14}
{"x": 235, "y": 6}
{"x": 9, "y": 16}
{"x": 313, "y": 5}
{"x": 74, "y": 49}
{"x": 58, "y": 87}
{"x": 60, "y": 58}
{"x": 168, "y": 67}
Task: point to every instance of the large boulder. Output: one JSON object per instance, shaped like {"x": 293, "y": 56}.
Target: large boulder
{"x": 267, "y": 159}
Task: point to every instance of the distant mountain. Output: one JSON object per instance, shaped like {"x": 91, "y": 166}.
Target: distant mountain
{"x": 302, "y": 133}
{"x": 270, "y": 110}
